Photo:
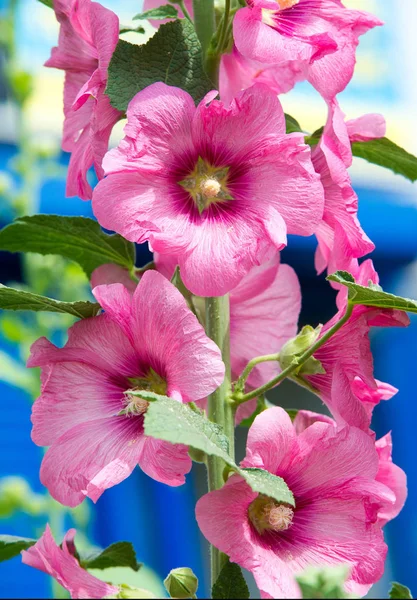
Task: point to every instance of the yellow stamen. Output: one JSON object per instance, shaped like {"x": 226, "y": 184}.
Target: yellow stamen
{"x": 283, "y": 4}
{"x": 268, "y": 515}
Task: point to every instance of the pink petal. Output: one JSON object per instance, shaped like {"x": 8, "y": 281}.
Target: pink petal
{"x": 90, "y": 458}
{"x": 264, "y": 311}
{"x": 157, "y": 130}
{"x": 393, "y": 477}
{"x": 169, "y": 336}
{"x": 111, "y": 273}
{"x": 164, "y": 462}
{"x": 367, "y": 127}
{"x": 270, "y": 439}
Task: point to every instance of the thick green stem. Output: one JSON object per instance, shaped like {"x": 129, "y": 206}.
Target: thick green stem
{"x": 219, "y": 408}
{"x": 204, "y": 22}
{"x": 239, "y": 398}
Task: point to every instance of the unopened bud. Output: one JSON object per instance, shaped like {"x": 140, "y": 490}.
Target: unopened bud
{"x": 181, "y": 583}
{"x": 130, "y": 592}
{"x": 295, "y": 348}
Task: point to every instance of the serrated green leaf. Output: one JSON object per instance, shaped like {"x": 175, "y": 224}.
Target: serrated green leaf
{"x": 11, "y": 546}
{"x": 326, "y": 582}
{"x": 386, "y": 154}
{"x": 230, "y": 583}
{"x": 77, "y": 238}
{"x": 167, "y": 11}
{"x": 399, "y": 591}
{"x": 173, "y": 55}
{"x": 11, "y": 299}
{"x": 292, "y": 125}
{"x": 120, "y": 554}
{"x": 372, "y": 296}
{"x": 168, "y": 420}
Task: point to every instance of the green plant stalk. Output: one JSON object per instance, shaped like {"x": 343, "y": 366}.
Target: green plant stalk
{"x": 219, "y": 409}
{"x": 204, "y": 22}
{"x": 239, "y": 398}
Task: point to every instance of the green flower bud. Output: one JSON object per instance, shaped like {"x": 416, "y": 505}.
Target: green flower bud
{"x": 295, "y": 348}
{"x": 130, "y": 592}
{"x": 181, "y": 583}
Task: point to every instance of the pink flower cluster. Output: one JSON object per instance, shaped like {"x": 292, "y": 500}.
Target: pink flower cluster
{"x": 215, "y": 189}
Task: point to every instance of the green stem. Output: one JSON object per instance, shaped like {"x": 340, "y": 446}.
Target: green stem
{"x": 204, "y": 22}
{"x": 219, "y": 409}
{"x": 185, "y": 12}
{"x": 240, "y": 384}
{"x": 225, "y": 24}
{"x": 239, "y": 398}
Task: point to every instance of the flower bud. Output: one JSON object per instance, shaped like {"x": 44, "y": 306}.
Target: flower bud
{"x": 295, "y": 348}
{"x": 181, "y": 583}
{"x": 130, "y": 593}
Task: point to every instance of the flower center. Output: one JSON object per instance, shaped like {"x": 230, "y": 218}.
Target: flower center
{"x": 207, "y": 185}
{"x": 283, "y": 4}
{"x": 151, "y": 382}
{"x": 267, "y": 514}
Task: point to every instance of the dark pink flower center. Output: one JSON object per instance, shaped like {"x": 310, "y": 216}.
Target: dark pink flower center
{"x": 291, "y": 15}
{"x": 207, "y": 184}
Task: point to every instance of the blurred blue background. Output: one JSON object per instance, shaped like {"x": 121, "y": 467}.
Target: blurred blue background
{"x": 157, "y": 519}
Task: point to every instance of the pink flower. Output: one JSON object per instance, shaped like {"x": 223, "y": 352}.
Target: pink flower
{"x": 348, "y": 387}
{"x": 322, "y": 35}
{"x": 46, "y": 556}
{"x": 149, "y": 340}
{"x": 340, "y": 235}
{"x": 87, "y": 39}
{"x": 220, "y": 202}
{"x": 388, "y": 473}
{"x": 332, "y": 473}
{"x": 264, "y": 311}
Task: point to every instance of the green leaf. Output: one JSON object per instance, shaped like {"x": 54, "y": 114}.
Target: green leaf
{"x": 386, "y": 154}
{"x": 326, "y": 582}
{"x": 168, "y": 420}
{"x": 292, "y": 125}
{"x": 128, "y": 29}
{"x": 230, "y": 583}
{"x": 372, "y": 295}
{"x": 77, "y": 238}
{"x": 270, "y": 485}
{"x": 120, "y": 554}
{"x": 11, "y": 546}
{"x": 173, "y": 55}
{"x": 399, "y": 591}
{"x": 11, "y": 299}
{"x": 167, "y": 11}
{"x": 48, "y": 3}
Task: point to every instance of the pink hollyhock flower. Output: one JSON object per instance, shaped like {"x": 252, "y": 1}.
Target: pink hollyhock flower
{"x": 340, "y": 235}
{"x": 87, "y": 39}
{"x": 348, "y": 386}
{"x": 264, "y": 311}
{"x": 46, "y": 556}
{"x": 388, "y": 473}
{"x": 220, "y": 203}
{"x": 149, "y": 340}
{"x": 322, "y": 35}
{"x": 332, "y": 473}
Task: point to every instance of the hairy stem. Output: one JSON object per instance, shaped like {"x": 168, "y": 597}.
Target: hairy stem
{"x": 239, "y": 398}
{"x": 219, "y": 409}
